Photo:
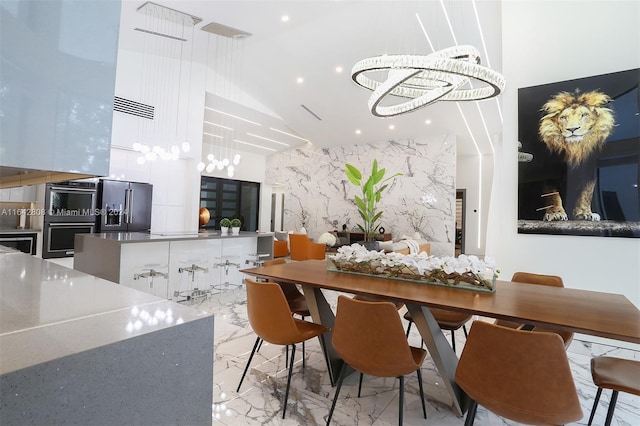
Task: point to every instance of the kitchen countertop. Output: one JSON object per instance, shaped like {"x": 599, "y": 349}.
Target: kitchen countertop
{"x": 48, "y": 311}
{"x": 141, "y": 237}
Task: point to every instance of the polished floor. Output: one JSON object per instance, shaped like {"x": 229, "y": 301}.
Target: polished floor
{"x": 259, "y": 399}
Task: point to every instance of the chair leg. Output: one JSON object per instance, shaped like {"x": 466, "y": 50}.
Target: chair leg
{"x": 464, "y": 328}
{"x": 409, "y": 328}
{"x": 453, "y": 341}
{"x": 286, "y": 356}
{"x": 343, "y": 373}
{"x": 401, "y": 398}
{"x": 286, "y": 393}
{"x": 612, "y": 407}
{"x": 595, "y": 405}
{"x": 303, "y": 361}
{"x": 255, "y": 347}
{"x": 360, "y": 384}
{"x": 259, "y": 346}
{"x": 424, "y": 407}
{"x": 471, "y": 413}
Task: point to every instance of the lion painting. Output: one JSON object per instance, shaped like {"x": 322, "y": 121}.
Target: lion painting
{"x": 575, "y": 125}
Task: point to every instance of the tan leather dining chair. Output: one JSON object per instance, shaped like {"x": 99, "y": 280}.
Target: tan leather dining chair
{"x": 617, "y": 374}
{"x": 296, "y": 300}
{"x": 302, "y": 248}
{"x": 369, "y": 337}
{"x": 447, "y": 320}
{"x": 270, "y": 318}
{"x": 540, "y": 279}
{"x": 520, "y": 375}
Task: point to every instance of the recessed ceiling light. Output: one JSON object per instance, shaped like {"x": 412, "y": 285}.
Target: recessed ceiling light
{"x": 391, "y": 127}
{"x": 358, "y": 131}
{"x": 339, "y": 69}
{"x": 285, "y": 18}
{"x": 427, "y": 121}
{"x": 300, "y": 80}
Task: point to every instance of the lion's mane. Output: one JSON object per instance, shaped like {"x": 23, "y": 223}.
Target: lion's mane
{"x": 585, "y": 112}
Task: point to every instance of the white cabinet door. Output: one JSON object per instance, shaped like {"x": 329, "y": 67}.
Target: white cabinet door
{"x": 191, "y": 268}
{"x": 145, "y": 267}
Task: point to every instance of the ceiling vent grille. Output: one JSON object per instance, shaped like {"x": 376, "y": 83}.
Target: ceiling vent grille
{"x": 311, "y": 112}
{"x": 128, "y": 106}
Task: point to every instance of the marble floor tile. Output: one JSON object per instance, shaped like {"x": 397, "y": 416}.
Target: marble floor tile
{"x": 259, "y": 400}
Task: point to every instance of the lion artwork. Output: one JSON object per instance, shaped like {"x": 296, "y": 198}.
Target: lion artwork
{"x": 575, "y": 125}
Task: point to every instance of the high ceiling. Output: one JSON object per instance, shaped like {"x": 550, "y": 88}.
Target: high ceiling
{"x": 328, "y": 107}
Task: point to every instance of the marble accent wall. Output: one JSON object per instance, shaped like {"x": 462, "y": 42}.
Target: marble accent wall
{"x": 317, "y": 192}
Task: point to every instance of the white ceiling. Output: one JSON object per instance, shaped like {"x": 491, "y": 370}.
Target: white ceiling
{"x": 321, "y": 35}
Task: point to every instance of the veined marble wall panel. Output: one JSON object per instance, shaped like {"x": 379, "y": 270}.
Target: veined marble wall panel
{"x": 318, "y": 193}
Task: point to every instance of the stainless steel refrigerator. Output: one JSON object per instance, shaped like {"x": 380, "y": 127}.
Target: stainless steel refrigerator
{"x": 124, "y": 206}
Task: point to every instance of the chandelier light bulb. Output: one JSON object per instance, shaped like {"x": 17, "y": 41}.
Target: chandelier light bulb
{"x": 210, "y": 157}
{"x": 186, "y": 146}
{"x": 220, "y": 166}
{"x": 200, "y": 166}
{"x": 175, "y": 150}
{"x": 144, "y": 148}
{"x": 210, "y": 167}
{"x": 137, "y": 146}
{"x": 225, "y": 162}
{"x": 236, "y": 159}
{"x": 230, "y": 173}
{"x": 231, "y": 169}
{"x": 157, "y": 149}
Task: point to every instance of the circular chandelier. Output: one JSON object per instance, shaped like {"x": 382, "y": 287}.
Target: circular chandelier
{"x": 426, "y": 79}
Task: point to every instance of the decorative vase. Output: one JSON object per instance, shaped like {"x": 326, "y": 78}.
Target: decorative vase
{"x": 235, "y": 230}
{"x": 224, "y": 230}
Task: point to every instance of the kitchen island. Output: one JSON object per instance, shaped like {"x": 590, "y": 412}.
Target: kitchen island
{"x": 175, "y": 266}
{"x": 76, "y": 349}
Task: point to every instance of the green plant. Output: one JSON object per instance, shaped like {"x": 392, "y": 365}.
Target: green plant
{"x": 225, "y": 222}
{"x": 236, "y": 223}
{"x": 371, "y": 189}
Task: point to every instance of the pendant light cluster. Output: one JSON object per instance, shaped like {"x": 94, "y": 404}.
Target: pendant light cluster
{"x": 164, "y": 75}
{"x": 225, "y": 52}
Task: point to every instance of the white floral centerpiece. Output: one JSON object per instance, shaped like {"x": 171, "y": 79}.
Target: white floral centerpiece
{"x": 327, "y": 239}
{"x": 462, "y": 271}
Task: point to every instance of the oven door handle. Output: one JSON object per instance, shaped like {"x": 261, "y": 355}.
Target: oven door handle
{"x": 55, "y": 224}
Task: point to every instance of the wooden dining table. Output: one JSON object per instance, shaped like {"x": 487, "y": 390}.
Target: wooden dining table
{"x": 594, "y": 313}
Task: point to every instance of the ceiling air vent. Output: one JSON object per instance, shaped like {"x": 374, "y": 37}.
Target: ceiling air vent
{"x": 128, "y": 106}
{"x": 310, "y": 112}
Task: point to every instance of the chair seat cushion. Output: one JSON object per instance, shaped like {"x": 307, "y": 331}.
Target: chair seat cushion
{"x": 616, "y": 374}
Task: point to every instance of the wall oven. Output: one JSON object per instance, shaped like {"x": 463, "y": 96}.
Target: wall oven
{"x": 70, "y": 209}
{"x": 71, "y": 201}
{"x": 59, "y": 237}
{"x": 25, "y": 243}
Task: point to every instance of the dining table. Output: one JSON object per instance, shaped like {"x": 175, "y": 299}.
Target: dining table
{"x": 595, "y": 313}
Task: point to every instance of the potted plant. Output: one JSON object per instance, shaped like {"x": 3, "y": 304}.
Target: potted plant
{"x": 371, "y": 191}
{"x": 225, "y": 223}
{"x": 235, "y": 226}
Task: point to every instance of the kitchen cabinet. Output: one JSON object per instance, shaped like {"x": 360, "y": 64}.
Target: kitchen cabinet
{"x": 58, "y": 76}
{"x": 26, "y": 194}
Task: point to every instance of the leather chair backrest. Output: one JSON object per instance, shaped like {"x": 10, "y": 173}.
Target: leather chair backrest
{"x": 521, "y": 375}
{"x": 541, "y": 279}
{"x": 369, "y": 336}
{"x": 269, "y": 313}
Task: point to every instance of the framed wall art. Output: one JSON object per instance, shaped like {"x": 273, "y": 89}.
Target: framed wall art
{"x": 579, "y": 156}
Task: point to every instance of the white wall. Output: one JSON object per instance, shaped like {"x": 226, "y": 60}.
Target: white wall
{"x": 475, "y": 174}
{"x": 545, "y": 42}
